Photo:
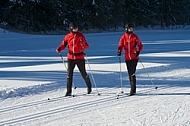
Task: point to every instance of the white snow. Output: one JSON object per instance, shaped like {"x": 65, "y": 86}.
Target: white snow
{"x": 33, "y": 80}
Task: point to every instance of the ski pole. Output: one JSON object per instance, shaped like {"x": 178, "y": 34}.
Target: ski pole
{"x": 148, "y": 75}
{"x": 63, "y": 61}
{"x": 120, "y": 75}
{"x": 66, "y": 67}
{"x": 91, "y": 74}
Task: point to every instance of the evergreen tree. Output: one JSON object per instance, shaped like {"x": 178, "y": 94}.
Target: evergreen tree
{"x": 47, "y": 15}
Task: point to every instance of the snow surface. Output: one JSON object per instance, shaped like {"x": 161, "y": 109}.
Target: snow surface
{"x": 33, "y": 77}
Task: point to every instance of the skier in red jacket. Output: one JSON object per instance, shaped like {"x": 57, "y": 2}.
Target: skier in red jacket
{"x": 132, "y": 46}
{"x": 76, "y": 43}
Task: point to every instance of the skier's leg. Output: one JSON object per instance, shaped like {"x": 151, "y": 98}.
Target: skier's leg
{"x": 132, "y": 79}
{"x": 82, "y": 69}
{"x": 71, "y": 66}
{"x": 131, "y": 66}
{"x": 128, "y": 66}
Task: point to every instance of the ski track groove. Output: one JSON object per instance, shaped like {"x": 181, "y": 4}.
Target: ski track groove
{"x": 45, "y": 101}
{"x": 66, "y": 108}
{"x": 58, "y": 110}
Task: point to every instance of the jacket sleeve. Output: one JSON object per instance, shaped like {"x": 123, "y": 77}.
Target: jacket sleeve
{"x": 139, "y": 44}
{"x": 84, "y": 43}
{"x": 121, "y": 44}
{"x": 63, "y": 44}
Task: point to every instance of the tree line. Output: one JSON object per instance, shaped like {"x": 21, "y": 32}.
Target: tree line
{"x": 49, "y": 15}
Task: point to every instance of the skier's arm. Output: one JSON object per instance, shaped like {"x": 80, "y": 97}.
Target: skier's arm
{"x": 120, "y": 46}
{"x": 84, "y": 43}
{"x": 139, "y": 44}
{"x": 139, "y": 47}
{"x": 62, "y": 46}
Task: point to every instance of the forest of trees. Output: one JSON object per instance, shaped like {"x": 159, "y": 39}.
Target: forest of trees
{"x": 50, "y": 15}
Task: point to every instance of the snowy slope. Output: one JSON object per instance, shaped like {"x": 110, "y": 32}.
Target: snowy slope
{"x": 33, "y": 77}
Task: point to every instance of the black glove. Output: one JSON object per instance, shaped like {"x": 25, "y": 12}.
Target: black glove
{"x": 119, "y": 53}
{"x": 137, "y": 53}
{"x": 58, "y": 50}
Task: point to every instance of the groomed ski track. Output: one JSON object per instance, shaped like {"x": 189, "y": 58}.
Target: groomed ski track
{"x": 69, "y": 107}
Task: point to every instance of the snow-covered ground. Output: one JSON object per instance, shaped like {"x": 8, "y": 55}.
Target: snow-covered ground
{"x": 33, "y": 77}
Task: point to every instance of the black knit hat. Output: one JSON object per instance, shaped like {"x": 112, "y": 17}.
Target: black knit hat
{"x": 73, "y": 25}
{"x": 128, "y": 25}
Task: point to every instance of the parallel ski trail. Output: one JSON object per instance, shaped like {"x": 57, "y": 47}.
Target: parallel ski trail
{"x": 45, "y": 101}
{"x": 30, "y": 104}
{"x": 104, "y": 105}
{"x": 84, "y": 104}
{"x": 57, "y": 110}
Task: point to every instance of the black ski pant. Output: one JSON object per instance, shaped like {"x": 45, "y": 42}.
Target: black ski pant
{"x": 131, "y": 67}
{"x": 81, "y": 66}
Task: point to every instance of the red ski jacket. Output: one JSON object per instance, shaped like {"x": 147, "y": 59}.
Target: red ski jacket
{"x": 131, "y": 44}
{"x": 76, "y": 43}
